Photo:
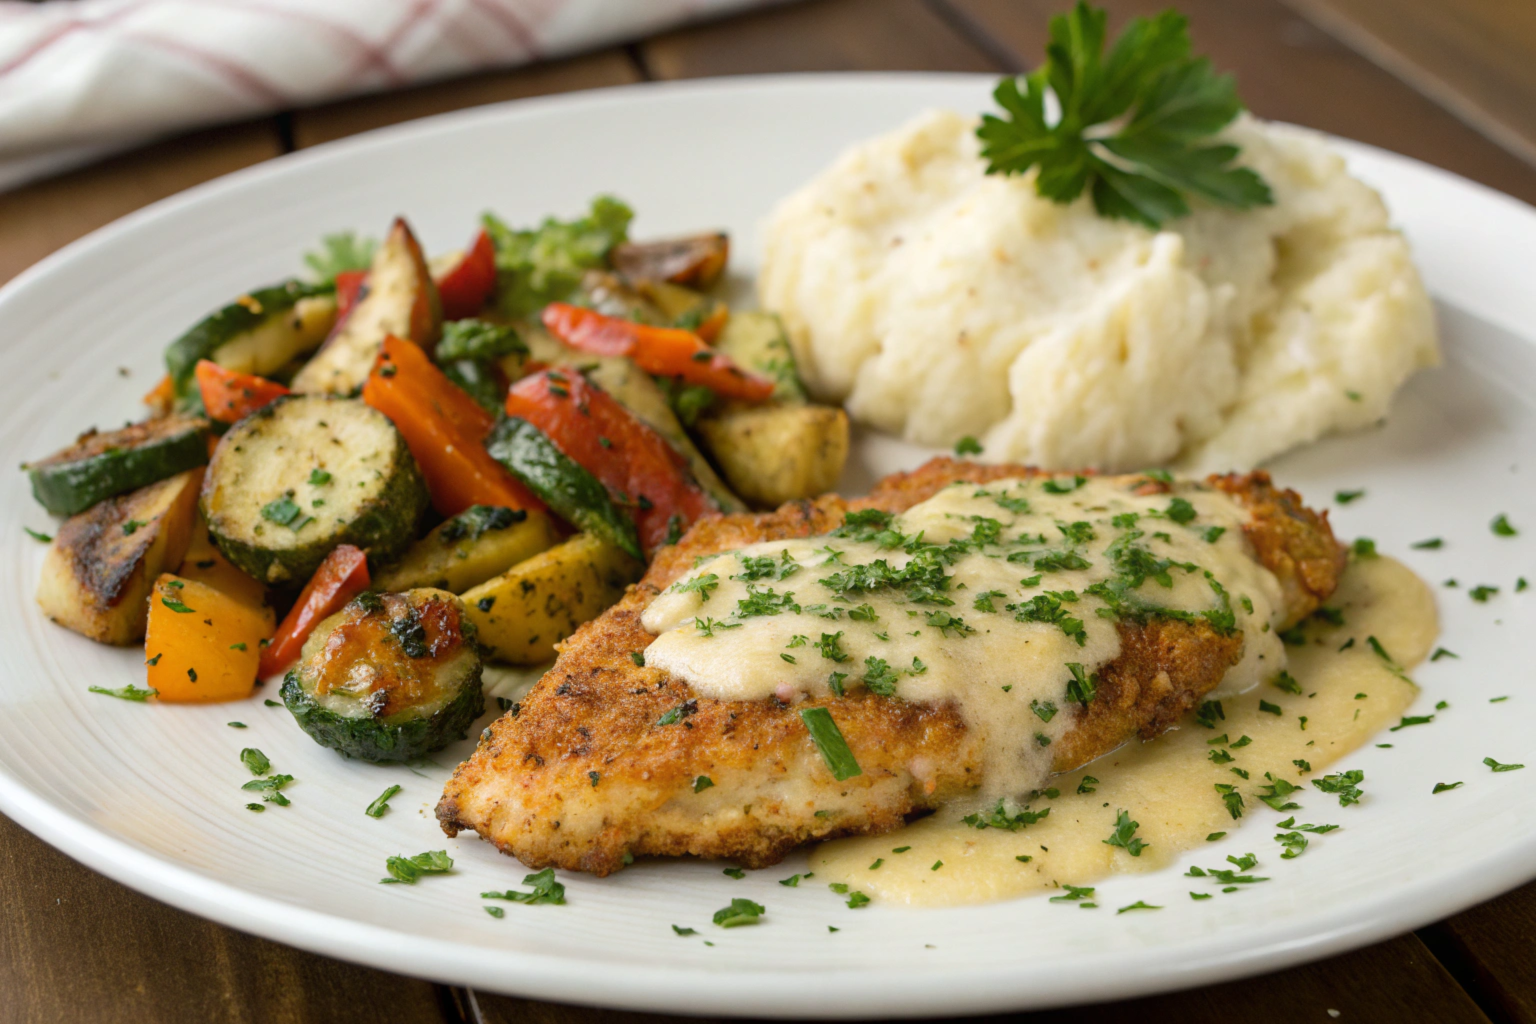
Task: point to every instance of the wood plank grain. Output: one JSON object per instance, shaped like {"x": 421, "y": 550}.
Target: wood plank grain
{"x": 1289, "y": 70}
{"x": 827, "y": 35}
{"x": 348, "y": 117}
{"x": 76, "y": 946}
{"x": 38, "y": 218}
{"x": 1392, "y": 982}
{"x": 1488, "y": 949}
{"x": 1474, "y": 57}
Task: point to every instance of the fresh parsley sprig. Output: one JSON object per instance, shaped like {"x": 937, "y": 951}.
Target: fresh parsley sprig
{"x": 1131, "y": 127}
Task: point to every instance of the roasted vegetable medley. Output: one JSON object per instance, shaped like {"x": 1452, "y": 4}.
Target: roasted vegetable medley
{"x": 373, "y": 478}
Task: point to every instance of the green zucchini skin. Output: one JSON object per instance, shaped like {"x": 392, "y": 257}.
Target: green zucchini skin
{"x": 574, "y": 494}
{"x": 99, "y": 466}
{"x": 207, "y": 336}
{"x": 373, "y": 495}
{"x": 350, "y": 725}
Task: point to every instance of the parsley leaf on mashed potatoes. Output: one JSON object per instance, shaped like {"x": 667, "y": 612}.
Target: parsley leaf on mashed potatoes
{"x": 941, "y": 303}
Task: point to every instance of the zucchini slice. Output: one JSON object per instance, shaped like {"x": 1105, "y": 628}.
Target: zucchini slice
{"x": 756, "y": 341}
{"x": 574, "y": 494}
{"x": 399, "y": 298}
{"x": 257, "y": 333}
{"x": 520, "y": 615}
{"x": 478, "y": 543}
{"x": 99, "y": 466}
{"x": 290, "y": 482}
{"x": 98, "y": 572}
{"x": 390, "y": 677}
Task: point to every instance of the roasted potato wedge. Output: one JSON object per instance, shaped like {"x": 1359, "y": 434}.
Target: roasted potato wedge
{"x": 98, "y": 572}
{"x": 469, "y": 549}
{"x": 774, "y": 453}
{"x": 525, "y": 611}
{"x": 400, "y": 298}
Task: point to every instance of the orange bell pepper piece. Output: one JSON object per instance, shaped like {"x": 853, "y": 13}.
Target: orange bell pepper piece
{"x": 445, "y": 430}
{"x": 202, "y": 646}
{"x": 341, "y": 577}
{"x": 663, "y": 351}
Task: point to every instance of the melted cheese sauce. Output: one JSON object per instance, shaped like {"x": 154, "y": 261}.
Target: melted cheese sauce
{"x": 992, "y": 597}
{"x": 1168, "y": 785}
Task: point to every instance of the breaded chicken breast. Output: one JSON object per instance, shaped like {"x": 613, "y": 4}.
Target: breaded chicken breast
{"x": 579, "y": 776}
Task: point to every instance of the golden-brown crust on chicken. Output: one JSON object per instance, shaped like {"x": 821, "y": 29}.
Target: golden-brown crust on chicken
{"x": 580, "y": 777}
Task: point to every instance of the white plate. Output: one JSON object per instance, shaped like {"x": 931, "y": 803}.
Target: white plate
{"x": 150, "y": 794}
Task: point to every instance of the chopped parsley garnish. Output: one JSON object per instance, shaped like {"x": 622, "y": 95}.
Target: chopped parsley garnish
{"x": 176, "y": 605}
{"x": 255, "y": 760}
{"x": 1180, "y": 511}
{"x": 1047, "y": 608}
{"x": 702, "y": 782}
{"x": 1287, "y": 682}
{"x": 1208, "y": 712}
{"x": 283, "y": 512}
{"x": 1345, "y": 497}
{"x": 765, "y": 602}
{"x": 545, "y": 890}
{"x": 380, "y": 806}
{"x": 1501, "y": 528}
{"x": 792, "y": 882}
{"x": 1268, "y": 708}
{"x": 270, "y": 788}
{"x": 1087, "y": 784}
{"x": 1482, "y": 593}
{"x": 739, "y": 913}
{"x": 707, "y": 626}
{"x": 736, "y": 873}
{"x": 1279, "y": 791}
{"x": 1045, "y": 711}
{"x": 1496, "y": 766}
{"x": 702, "y": 585}
{"x": 1345, "y": 785}
{"x": 638, "y": 657}
{"x": 967, "y": 445}
{"x": 1219, "y": 756}
{"x": 1432, "y": 544}
{"x": 830, "y": 743}
{"x": 137, "y": 694}
{"x": 1138, "y": 905}
{"x": 408, "y": 869}
{"x": 685, "y": 931}
{"x": 678, "y": 713}
{"x": 943, "y": 621}
{"x": 879, "y": 678}
{"x": 42, "y": 538}
{"x": 1445, "y": 787}
{"x": 319, "y": 477}
{"x": 1074, "y": 894}
{"x": 1408, "y": 720}
{"x": 1124, "y": 835}
{"x": 998, "y": 817}
{"x": 1231, "y": 797}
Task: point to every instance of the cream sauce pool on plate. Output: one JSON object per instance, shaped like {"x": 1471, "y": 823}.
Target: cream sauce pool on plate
{"x": 1345, "y": 692}
{"x": 1000, "y": 599}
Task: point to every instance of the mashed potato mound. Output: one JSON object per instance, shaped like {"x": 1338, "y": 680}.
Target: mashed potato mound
{"x": 941, "y": 302}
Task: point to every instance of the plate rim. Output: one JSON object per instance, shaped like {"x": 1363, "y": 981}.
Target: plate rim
{"x": 793, "y": 994}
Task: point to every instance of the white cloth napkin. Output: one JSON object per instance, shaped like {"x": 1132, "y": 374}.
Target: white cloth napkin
{"x": 80, "y": 79}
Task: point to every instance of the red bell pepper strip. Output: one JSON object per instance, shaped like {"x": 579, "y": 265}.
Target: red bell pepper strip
{"x": 229, "y": 396}
{"x": 349, "y": 288}
{"x": 663, "y": 351}
{"x": 162, "y": 397}
{"x": 445, "y": 430}
{"x": 341, "y": 577}
{"x": 633, "y": 461}
{"x": 467, "y": 287}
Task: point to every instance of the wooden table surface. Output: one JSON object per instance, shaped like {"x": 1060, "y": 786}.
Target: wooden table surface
{"x": 1451, "y": 82}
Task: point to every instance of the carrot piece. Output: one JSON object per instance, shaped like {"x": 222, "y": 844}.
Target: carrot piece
{"x": 663, "y": 351}
{"x": 341, "y": 577}
{"x": 162, "y": 397}
{"x": 445, "y": 430}
{"x": 633, "y": 461}
{"x": 467, "y": 286}
{"x": 710, "y": 327}
{"x": 230, "y": 397}
{"x": 202, "y": 646}
{"x": 349, "y": 288}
